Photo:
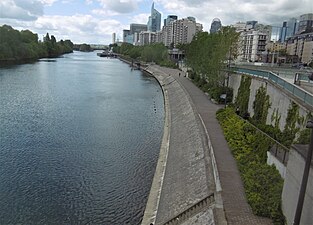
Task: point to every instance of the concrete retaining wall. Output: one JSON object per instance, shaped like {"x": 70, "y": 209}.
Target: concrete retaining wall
{"x": 280, "y": 100}
{"x": 291, "y": 189}
{"x": 181, "y": 178}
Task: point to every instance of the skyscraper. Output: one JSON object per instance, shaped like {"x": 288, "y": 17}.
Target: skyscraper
{"x": 169, "y": 19}
{"x": 154, "y": 23}
{"x": 306, "y": 22}
{"x": 292, "y": 27}
{"x": 215, "y": 25}
{"x": 283, "y": 32}
{"x": 113, "y": 38}
{"x": 137, "y": 28}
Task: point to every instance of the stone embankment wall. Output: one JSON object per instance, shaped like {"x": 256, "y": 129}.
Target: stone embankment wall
{"x": 182, "y": 177}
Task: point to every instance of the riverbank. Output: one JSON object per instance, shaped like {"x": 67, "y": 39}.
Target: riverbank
{"x": 184, "y": 173}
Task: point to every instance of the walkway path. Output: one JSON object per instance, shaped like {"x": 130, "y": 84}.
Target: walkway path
{"x": 185, "y": 180}
{"x": 237, "y": 210}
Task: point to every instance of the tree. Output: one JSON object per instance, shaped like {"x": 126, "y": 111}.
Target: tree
{"x": 24, "y": 45}
{"x": 208, "y": 54}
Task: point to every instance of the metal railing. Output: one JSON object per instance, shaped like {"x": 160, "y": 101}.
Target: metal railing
{"x": 299, "y": 93}
{"x": 192, "y": 210}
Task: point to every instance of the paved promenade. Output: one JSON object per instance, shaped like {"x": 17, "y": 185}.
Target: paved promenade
{"x": 178, "y": 181}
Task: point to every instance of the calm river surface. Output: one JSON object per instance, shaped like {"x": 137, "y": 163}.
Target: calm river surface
{"x": 79, "y": 141}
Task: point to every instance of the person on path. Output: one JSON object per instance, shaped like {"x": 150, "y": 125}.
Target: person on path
{"x": 179, "y": 74}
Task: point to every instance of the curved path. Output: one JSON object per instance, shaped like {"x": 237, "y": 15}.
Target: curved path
{"x": 189, "y": 174}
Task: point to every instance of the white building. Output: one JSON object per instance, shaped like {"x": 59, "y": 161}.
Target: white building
{"x": 180, "y": 31}
{"x": 113, "y": 38}
{"x": 252, "y": 41}
{"x": 252, "y": 45}
{"x": 147, "y": 37}
{"x": 301, "y": 45}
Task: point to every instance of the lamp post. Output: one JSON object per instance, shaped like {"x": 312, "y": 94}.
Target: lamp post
{"x": 305, "y": 177}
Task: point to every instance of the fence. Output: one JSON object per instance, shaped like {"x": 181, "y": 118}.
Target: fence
{"x": 192, "y": 210}
{"x": 299, "y": 93}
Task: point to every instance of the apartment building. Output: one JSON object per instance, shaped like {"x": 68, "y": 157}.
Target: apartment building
{"x": 252, "y": 41}
{"x": 180, "y": 31}
{"x": 147, "y": 37}
{"x": 301, "y": 45}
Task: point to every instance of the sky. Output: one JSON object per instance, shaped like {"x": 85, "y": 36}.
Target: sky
{"x": 94, "y": 21}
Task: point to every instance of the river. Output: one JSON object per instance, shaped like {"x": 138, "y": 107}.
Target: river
{"x": 79, "y": 141}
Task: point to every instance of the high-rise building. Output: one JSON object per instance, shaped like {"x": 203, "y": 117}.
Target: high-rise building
{"x": 288, "y": 29}
{"x": 154, "y": 22}
{"x": 301, "y": 45}
{"x": 125, "y": 34}
{"x": 292, "y": 27}
{"x": 180, "y": 31}
{"x": 137, "y": 28}
{"x": 216, "y": 25}
{"x": 283, "y": 32}
{"x": 147, "y": 37}
{"x": 306, "y": 23}
{"x": 169, "y": 19}
{"x": 253, "y": 43}
{"x": 113, "y": 38}
{"x": 251, "y": 24}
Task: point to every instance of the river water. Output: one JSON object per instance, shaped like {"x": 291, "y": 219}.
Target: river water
{"x": 79, "y": 141}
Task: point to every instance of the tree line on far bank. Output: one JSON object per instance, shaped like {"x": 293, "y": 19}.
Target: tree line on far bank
{"x": 24, "y": 45}
{"x": 157, "y": 53}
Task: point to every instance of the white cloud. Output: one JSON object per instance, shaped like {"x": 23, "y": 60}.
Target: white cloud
{"x": 120, "y": 6}
{"x": 48, "y": 2}
{"x": 232, "y": 11}
{"x": 78, "y": 28}
{"x": 21, "y": 10}
{"x": 104, "y": 12}
{"x": 140, "y": 18}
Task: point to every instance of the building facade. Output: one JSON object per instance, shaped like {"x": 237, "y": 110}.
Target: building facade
{"x": 252, "y": 46}
{"x": 147, "y": 37}
{"x": 283, "y": 32}
{"x": 180, "y": 31}
{"x": 305, "y": 23}
{"x": 216, "y": 25}
{"x": 113, "y": 38}
{"x": 301, "y": 45}
{"x": 126, "y": 33}
{"x": 154, "y": 22}
{"x": 169, "y": 19}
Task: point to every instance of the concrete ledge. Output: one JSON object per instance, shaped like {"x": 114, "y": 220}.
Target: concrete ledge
{"x": 155, "y": 191}
{"x": 182, "y": 176}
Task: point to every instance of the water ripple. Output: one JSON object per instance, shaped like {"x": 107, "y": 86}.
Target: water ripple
{"x": 79, "y": 141}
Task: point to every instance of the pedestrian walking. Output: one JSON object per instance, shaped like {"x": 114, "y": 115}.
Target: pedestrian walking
{"x": 179, "y": 74}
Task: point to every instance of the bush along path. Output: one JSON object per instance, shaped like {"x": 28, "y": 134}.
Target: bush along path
{"x": 263, "y": 183}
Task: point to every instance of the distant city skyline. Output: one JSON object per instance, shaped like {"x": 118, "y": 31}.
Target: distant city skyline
{"x": 94, "y": 21}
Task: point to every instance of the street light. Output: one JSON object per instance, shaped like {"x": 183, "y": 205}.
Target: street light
{"x": 305, "y": 176}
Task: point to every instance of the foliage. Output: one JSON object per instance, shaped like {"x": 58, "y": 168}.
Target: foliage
{"x": 263, "y": 184}
{"x": 291, "y": 128}
{"x": 215, "y": 92}
{"x": 276, "y": 118}
{"x": 242, "y": 100}
{"x": 207, "y": 54}
{"x": 157, "y": 53}
{"x": 82, "y": 47}
{"x": 261, "y": 105}
{"x": 24, "y": 45}
{"x": 304, "y": 137}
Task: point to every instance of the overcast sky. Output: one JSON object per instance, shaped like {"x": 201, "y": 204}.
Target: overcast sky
{"x": 94, "y": 21}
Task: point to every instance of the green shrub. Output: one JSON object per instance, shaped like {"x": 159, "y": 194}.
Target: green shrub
{"x": 263, "y": 183}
